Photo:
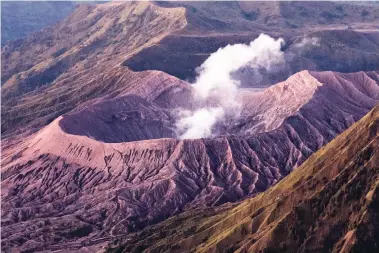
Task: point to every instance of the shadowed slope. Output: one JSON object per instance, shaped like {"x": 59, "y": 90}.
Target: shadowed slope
{"x": 36, "y": 109}
{"x": 212, "y": 25}
{"x": 91, "y": 35}
{"x": 54, "y": 70}
{"x": 317, "y": 97}
{"x": 327, "y": 204}
{"x": 66, "y": 178}
{"x": 78, "y": 59}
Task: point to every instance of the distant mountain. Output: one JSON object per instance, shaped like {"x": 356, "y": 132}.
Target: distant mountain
{"x": 20, "y": 18}
{"x": 328, "y": 204}
{"x": 347, "y": 33}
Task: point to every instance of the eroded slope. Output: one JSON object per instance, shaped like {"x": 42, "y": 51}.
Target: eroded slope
{"x": 327, "y": 204}
{"x": 64, "y": 189}
{"x": 347, "y": 36}
{"x": 87, "y": 52}
{"x": 54, "y": 70}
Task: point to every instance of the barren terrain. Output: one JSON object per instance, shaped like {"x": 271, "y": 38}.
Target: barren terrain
{"x": 90, "y": 145}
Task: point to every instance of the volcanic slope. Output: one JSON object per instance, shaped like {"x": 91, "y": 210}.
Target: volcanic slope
{"x": 89, "y": 52}
{"x": 67, "y": 186}
{"x": 53, "y": 58}
{"x": 347, "y": 34}
{"x": 78, "y": 59}
{"x": 328, "y": 204}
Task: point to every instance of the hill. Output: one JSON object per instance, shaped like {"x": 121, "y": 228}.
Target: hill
{"x": 328, "y": 204}
{"x": 91, "y": 149}
{"x": 100, "y": 171}
{"x": 116, "y": 38}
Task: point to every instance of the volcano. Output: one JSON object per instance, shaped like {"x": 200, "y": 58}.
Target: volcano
{"x": 329, "y": 203}
{"x": 73, "y": 176}
{"x": 91, "y": 152}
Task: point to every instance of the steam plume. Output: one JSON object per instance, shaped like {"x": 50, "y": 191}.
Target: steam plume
{"x": 198, "y": 124}
{"x": 215, "y": 84}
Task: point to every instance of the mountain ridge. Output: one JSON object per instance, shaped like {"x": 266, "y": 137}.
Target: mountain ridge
{"x": 115, "y": 39}
{"x": 302, "y": 206}
{"x": 44, "y": 181}
{"x": 92, "y": 151}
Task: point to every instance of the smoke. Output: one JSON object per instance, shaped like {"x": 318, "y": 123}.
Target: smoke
{"x": 199, "y": 124}
{"x": 314, "y": 41}
{"x": 215, "y": 88}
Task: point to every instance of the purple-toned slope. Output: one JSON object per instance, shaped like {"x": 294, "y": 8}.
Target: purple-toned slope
{"x": 61, "y": 190}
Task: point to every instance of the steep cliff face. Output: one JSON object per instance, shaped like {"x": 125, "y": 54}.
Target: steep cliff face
{"x": 328, "y": 204}
{"x": 71, "y": 176}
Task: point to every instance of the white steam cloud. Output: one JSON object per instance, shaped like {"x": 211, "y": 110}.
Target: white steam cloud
{"x": 314, "y": 41}
{"x": 216, "y": 90}
{"x": 198, "y": 124}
